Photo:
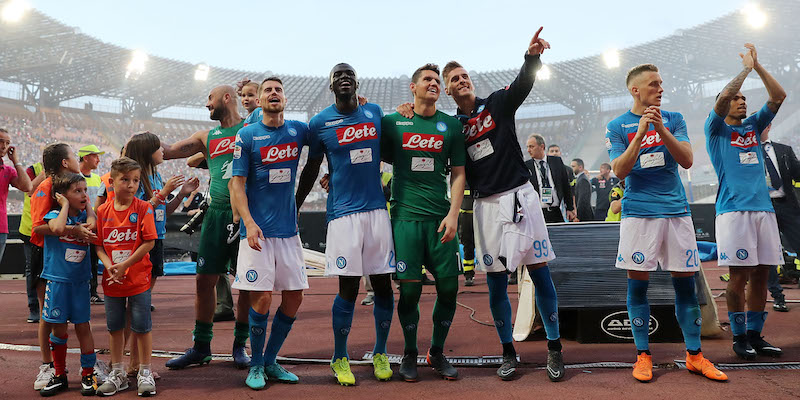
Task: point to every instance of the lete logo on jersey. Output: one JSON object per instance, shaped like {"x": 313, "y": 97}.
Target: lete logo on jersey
{"x": 423, "y": 142}
{"x": 220, "y": 146}
{"x": 125, "y": 234}
{"x": 748, "y": 140}
{"x": 356, "y": 133}
{"x": 279, "y": 153}
{"x": 478, "y": 126}
{"x": 650, "y": 139}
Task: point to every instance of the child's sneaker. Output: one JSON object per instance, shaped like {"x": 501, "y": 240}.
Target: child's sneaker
{"x": 146, "y": 383}
{"x": 89, "y": 385}
{"x": 46, "y": 372}
{"x": 57, "y": 383}
{"x": 116, "y": 382}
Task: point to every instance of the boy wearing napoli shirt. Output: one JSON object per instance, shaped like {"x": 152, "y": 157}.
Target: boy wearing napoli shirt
{"x": 126, "y": 234}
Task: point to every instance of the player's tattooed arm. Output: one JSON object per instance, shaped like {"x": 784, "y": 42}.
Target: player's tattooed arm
{"x": 186, "y": 147}
{"x": 307, "y": 179}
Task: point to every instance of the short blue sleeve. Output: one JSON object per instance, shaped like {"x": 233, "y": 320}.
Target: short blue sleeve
{"x": 241, "y": 153}
{"x": 763, "y": 118}
{"x": 714, "y": 124}
{"x": 679, "y": 127}
{"x": 53, "y": 214}
{"x": 615, "y": 143}
{"x": 315, "y": 148}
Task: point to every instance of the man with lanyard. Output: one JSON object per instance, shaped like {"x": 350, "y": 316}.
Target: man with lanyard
{"x": 359, "y": 239}
{"x": 424, "y": 222}
{"x": 747, "y": 229}
{"x": 89, "y": 159}
{"x": 499, "y": 180}
{"x": 217, "y": 254}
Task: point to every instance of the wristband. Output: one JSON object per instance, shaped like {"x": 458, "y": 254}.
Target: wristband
{"x": 19, "y": 164}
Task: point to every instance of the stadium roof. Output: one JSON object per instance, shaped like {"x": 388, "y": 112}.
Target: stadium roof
{"x": 56, "y": 62}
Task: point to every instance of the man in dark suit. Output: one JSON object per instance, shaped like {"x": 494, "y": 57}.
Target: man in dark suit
{"x": 550, "y": 179}
{"x": 583, "y": 191}
{"x": 555, "y": 150}
{"x": 782, "y": 167}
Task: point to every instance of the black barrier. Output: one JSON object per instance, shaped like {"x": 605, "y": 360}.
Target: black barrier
{"x": 592, "y": 292}
{"x": 703, "y": 216}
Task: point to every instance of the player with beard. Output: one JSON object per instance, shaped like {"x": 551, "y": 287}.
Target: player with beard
{"x": 217, "y": 254}
{"x": 265, "y": 159}
{"x": 746, "y": 224}
{"x": 359, "y": 239}
{"x": 646, "y": 145}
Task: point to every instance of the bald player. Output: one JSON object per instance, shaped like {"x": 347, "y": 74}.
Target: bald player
{"x": 216, "y": 255}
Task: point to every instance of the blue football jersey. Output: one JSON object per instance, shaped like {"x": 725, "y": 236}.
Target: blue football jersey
{"x": 268, "y": 157}
{"x": 653, "y": 188}
{"x": 65, "y": 258}
{"x": 351, "y": 143}
{"x": 738, "y": 159}
{"x": 254, "y": 117}
{"x": 156, "y": 184}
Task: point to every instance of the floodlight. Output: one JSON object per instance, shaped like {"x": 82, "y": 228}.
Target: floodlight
{"x": 201, "y": 73}
{"x": 544, "y": 73}
{"x": 754, "y": 15}
{"x": 15, "y": 10}
{"x": 137, "y": 64}
{"x": 611, "y": 58}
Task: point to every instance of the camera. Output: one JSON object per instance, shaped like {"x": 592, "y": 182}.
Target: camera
{"x": 191, "y": 226}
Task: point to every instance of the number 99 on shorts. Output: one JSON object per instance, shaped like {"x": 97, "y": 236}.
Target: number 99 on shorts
{"x": 541, "y": 248}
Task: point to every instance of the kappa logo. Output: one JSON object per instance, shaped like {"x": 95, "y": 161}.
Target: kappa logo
{"x": 724, "y": 256}
{"x": 279, "y": 153}
{"x": 251, "y": 275}
{"x": 356, "y": 133}
{"x": 220, "y": 146}
{"x": 404, "y": 123}
{"x": 341, "y": 262}
{"x": 748, "y": 140}
{"x": 40, "y": 193}
{"x": 133, "y": 217}
{"x": 619, "y": 258}
{"x": 336, "y": 122}
{"x": 401, "y": 266}
{"x": 638, "y": 257}
{"x": 741, "y": 254}
{"x": 423, "y": 142}
{"x": 487, "y": 260}
{"x": 478, "y": 126}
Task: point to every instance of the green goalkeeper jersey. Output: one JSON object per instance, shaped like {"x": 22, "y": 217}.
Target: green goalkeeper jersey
{"x": 420, "y": 150}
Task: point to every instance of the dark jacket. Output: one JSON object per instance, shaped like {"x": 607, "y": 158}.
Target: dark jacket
{"x": 561, "y": 180}
{"x": 583, "y": 198}
{"x": 789, "y": 168}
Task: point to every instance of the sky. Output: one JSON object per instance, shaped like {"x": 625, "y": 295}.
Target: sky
{"x": 379, "y": 38}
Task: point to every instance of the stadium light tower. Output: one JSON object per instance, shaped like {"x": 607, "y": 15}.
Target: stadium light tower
{"x": 754, "y": 15}
{"x": 544, "y": 73}
{"x": 137, "y": 64}
{"x": 201, "y": 73}
{"x": 611, "y": 58}
{"x": 14, "y": 10}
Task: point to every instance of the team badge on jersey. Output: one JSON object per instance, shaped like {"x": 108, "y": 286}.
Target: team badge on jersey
{"x": 741, "y": 254}
{"x": 292, "y": 132}
{"x": 251, "y": 275}
{"x": 341, "y": 262}
{"x": 133, "y": 217}
{"x": 441, "y": 126}
{"x": 487, "y": 260}
{"x": 368, "y": 114}
{"x": 637, "y": 257}
{"x": 401, "y": 266}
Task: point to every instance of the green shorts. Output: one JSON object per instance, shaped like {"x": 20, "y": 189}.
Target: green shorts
{"x": 417, "y": 243}
{"x": 216, "y": 255}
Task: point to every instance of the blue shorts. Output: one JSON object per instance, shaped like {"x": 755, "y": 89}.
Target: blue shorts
{"x": 140, "y": 312}
{"x": 66, "y": 302}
